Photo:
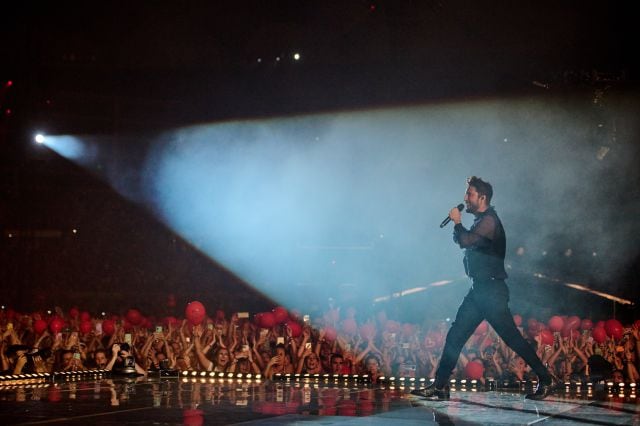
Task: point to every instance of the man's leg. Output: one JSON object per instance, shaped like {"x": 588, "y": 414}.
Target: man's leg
{"x": 501, "y": 319}
{"x": 468, "y": 318}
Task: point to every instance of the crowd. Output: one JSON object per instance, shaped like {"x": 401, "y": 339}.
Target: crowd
{"x": 279, "y": 341}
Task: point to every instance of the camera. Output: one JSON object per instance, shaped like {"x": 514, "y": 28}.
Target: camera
{"x": 42, "y": 353}
{"x": 129, "y": 362}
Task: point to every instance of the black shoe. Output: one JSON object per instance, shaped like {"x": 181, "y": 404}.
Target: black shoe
{"x": 432, "y": 392}
{"x": 544, "y": 389}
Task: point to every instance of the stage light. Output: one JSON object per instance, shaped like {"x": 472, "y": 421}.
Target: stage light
{"x": 39, "y": 138}
{"x": 296, "y": 56}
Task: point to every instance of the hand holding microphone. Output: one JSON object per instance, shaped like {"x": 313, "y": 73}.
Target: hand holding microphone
{"x": 454, "y": 211}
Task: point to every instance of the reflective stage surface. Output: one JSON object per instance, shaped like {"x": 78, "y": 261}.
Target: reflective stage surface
{"x": 195, "y": 401}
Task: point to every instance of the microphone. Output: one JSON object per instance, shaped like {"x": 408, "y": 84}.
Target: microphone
{"x": 448, "y": 219}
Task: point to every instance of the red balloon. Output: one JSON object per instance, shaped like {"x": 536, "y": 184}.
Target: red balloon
{"x": 368, "y": 331}
{"x": 267, "y": 320}
{"x": 39, "y": 326}
{"x": 546, "y": 337}
{"x": 599, "y": 334}
{"x": 195, "y": 313}
{"x": 171, "y": 320}
{"x": 280, "y": 314}
{"x": 55, "y": 325}
{"x": 85, "y": 316}
{"x": 85, "y": 327}
{"x": 517, "y": 319}
{"x": 474, "y": 370}
{"x": 134, "y": 316}
{"x": 330, "y": 333}
{"x": 349, "y": 326}
{"x": 599, "y": 324}
{"x": 257, "y": 319}
{"x": 332, "y": 316}
{"x": 586, "y": 324}
{"x": 392, "y": 326}
{"x": 296, "y": 328}
{"x": 407, "y": 329}
{"x": 295, "y": 315}
{"x": 568, "y": 331}
{"x": 555, "y": 323}
{"x": 482, "y": 328}
{"x": 74, "y": 312}
{"x": 127, "y": 326}
{"x": 108, "y": 327}
{"x": 573, "y": 322}
{"x": 614, "y": 329}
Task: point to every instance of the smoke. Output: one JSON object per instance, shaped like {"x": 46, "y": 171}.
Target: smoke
{"x": 350, "y": 202}
{"x": 347, "y": 205}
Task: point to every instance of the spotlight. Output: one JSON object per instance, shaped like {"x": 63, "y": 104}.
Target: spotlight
{"x": 39, "y": 138}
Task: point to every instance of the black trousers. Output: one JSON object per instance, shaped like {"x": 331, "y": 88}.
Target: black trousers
{"x": 486, "y": 300}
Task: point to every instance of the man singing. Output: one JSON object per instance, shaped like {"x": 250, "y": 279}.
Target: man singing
{"x": 488, "y": 297}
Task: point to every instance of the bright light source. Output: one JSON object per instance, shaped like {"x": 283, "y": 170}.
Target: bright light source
{"x": 296, "y": 56}
{"x": 39, "y": 138}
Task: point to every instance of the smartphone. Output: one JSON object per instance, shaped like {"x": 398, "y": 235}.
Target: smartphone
{"x": 188, "y": 339}
{"x": 307, "y": 345}
{"x": 405, "y": 346}
{"x": 127, "y": 338}
{"x": 280, "y": 341}
{"x": 9, "y": 326}
{"x": 210, "y": 326}
{"x": 243, "y": 315}
{"x": 76, "y": 355}
{"x": 263, "y": 332}
{"x": 158, "y": 329}
{"x": 245, "y": 348}
{"x": 347, "y": 347}
{"x": 306, "y": 319}
{"x": 98, "y": 328}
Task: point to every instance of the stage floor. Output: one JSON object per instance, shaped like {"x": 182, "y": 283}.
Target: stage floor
{"x": 195, "y": 401}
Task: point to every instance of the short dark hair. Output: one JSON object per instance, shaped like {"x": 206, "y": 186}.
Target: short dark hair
{"x": 482, "y": 187}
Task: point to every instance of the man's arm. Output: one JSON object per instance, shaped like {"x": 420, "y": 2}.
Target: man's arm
{"x": 479, "y": 236}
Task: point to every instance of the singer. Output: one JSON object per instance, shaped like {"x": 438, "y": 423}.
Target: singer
{"x": 484, "y": 244}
